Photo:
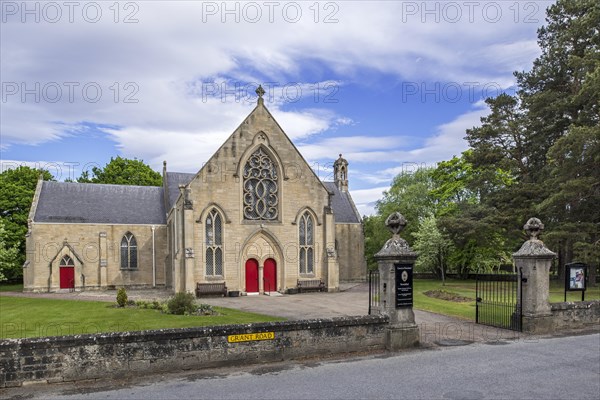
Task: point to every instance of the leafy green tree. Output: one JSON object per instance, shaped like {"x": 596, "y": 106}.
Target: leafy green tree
{"x": 410, "y": 194}
{"x": 562, "y": 97}
{"x": 545, "y": 137}
{"x": 453, "y": 181}
{"x": 10, "y": 266}
{"x": 376, "y": 234}
{"x": 123, "y": 171}
{"x": 500, "y": 142}
{"x": 433, "y": 246}
{"x": 571, "y": 207}
{"x": 561, "y": 89}
{"x": 17, "y": 187}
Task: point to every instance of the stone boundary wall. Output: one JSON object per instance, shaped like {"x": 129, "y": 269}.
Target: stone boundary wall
{"x": 121, "y": 354}
{"x": 574, "y": 315}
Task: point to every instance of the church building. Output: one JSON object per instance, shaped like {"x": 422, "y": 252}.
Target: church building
{"x": 255, "y": 217}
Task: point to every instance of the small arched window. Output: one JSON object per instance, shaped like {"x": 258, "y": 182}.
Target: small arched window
{"x": 307, "y": 244}
{"x": 128, "y": 251}
{"x": 261, "y": 191}
{"x": 214, "y": 243}
{"x": 67, "y": 261}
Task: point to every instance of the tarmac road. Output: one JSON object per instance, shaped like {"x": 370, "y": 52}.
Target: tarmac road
{"x": 548, "y": 368}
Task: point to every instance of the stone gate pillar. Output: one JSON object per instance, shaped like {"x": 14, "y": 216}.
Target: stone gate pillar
{"x": 396, "y": 261}
{"x": 534, "y": 260}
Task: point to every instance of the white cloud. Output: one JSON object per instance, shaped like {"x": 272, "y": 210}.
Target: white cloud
{"x": 365, "y": 199}
{"x": 163, "y": 61}
{"x": 447, "y": 142}
{"x": 175, "y": 44}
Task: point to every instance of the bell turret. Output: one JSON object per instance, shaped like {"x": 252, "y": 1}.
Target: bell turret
{"x": 340, "y": 171}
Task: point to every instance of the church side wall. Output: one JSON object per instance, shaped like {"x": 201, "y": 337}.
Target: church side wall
{"x": 351, "y": 250}
{"x": 97, "y": 257}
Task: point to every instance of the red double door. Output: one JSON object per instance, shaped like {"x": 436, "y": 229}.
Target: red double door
{"x": 269, "y": 278}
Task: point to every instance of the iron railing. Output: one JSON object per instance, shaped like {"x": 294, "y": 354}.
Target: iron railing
{"x": 374, "y": 295}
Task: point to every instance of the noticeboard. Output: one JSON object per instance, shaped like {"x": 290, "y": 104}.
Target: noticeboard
{"x": 575, "y": 276}
{"x": 404, "y": 285}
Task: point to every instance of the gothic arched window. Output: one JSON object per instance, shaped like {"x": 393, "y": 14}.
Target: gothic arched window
{"x": 128, "y": 251}
{"x": 214, "y": 243}
{"x": 261, "y": 192}
{"x": 307, "y": 244}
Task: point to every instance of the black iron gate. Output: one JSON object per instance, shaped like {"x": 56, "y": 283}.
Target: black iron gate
{"x": 499, "y": 300}
{"x": 374, "y": 295}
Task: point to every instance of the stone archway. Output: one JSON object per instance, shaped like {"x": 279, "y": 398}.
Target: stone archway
{"x": 263, "y": 248}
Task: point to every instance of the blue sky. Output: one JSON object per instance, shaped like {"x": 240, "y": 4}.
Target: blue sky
{"x": 392, "y": 85}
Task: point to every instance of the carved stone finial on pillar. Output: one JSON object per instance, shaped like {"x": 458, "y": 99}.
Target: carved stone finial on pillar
{"x": 396, "y": 261}
{"x": 534, "y": 260}
{"x": 396, "y": 246}
{"x": 534, "y": 246}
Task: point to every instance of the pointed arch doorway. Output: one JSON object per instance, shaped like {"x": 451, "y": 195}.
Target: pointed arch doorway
{"x": 262, "y": 265}
{"x": 252, "y": 276}
{"x": 67, "y": 273}
{"x": 270, "y": 275}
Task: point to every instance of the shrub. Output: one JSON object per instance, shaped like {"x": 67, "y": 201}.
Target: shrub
{"x": 182, "y": 303}
{"x": 122, "y": 297}
{"x": 141, "y": 304}
{"x": 150, "y": 305}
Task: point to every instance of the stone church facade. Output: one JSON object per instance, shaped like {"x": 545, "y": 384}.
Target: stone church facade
{"x": 255, "y": 216}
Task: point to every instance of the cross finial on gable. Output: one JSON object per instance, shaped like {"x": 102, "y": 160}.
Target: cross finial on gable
{"x": 260, "y": 92}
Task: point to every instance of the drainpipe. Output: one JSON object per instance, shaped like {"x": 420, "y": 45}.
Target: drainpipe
{"x": 153, "y": 260}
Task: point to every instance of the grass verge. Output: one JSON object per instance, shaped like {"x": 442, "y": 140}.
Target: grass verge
{"x": 30, "y": 317}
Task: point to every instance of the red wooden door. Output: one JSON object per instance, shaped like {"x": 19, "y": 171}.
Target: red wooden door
{"x": 67, "y": 277}
{"x": 252, "y": 276}
{"x": 270, "y": 273}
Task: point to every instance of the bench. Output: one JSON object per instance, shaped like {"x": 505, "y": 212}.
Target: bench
{"x": 211, "y": 289}
{"x": 310, "y": 284}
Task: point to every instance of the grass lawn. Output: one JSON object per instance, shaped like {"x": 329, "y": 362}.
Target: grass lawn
{"x": 462, "y": 288}
{"x": 467, "y": 289}
{"x": 27, "y": 317}
{"x": 11, "y": 287}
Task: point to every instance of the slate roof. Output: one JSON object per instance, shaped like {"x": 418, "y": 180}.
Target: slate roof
{"x": 174, "y": 179}
{"x": 342, "y": 205}
{"x": 63, "y": 202}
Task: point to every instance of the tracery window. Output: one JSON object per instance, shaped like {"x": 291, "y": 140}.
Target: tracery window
{"x": 67, "y": 261}
{"x": 128, "y": 251}
{"x": 214, "y": 243}
{"x": 307, "y": 244}
{"x": 261, "y": 191}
